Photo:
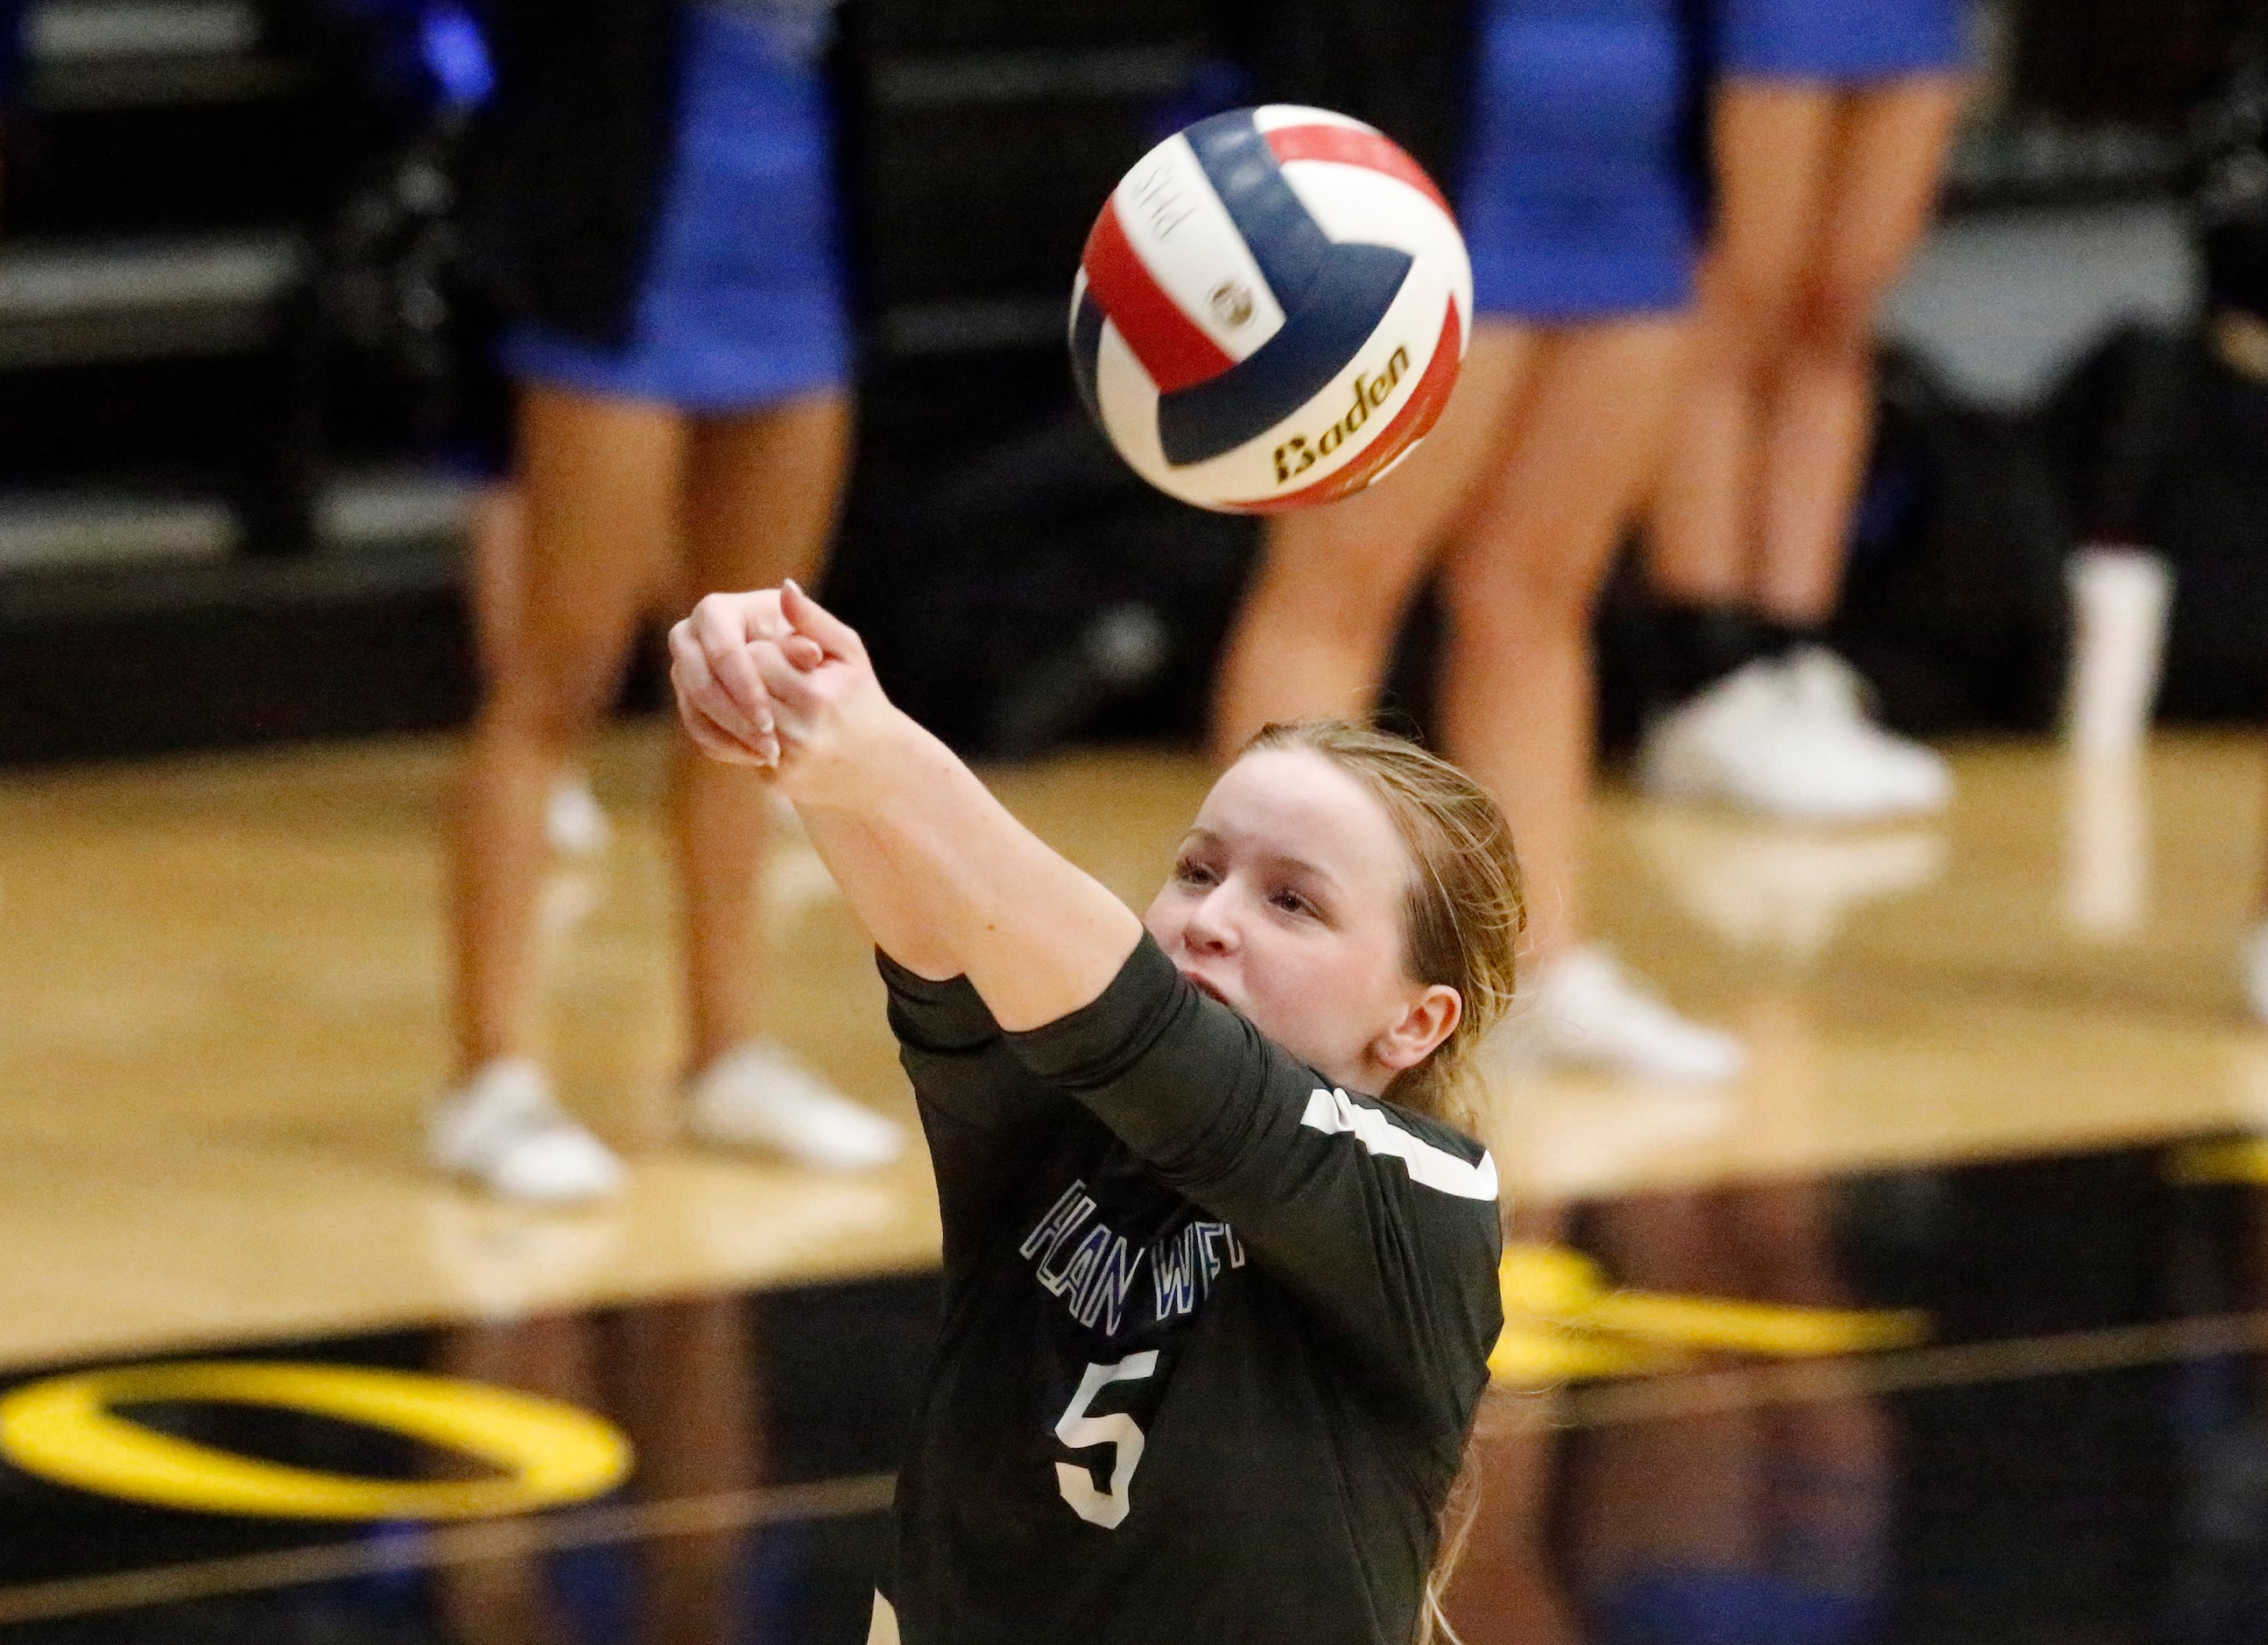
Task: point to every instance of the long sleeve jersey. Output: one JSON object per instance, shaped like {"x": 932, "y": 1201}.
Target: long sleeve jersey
{"x": 1215, "y": 1332}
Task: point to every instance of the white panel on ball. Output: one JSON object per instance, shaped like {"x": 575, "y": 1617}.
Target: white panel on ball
{"x": 1185, "y": 237}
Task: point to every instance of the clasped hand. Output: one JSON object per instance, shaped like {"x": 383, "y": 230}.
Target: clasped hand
{"x": 775, "y": 681}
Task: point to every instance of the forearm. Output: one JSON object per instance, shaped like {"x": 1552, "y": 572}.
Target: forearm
{"x": 946, "y": 880}
{"x": 870, "y": 879}
{"x": 950, "y": 883}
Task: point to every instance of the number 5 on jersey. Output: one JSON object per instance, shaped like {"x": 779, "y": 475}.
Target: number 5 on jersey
{"x": 1078, "y": 1431}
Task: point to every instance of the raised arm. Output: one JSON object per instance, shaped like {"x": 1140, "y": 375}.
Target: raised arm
{"x": 947, "y": 881}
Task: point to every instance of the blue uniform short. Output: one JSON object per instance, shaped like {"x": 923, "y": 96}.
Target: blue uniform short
{"x": 1674, "y": 1605}
{"x": 1841, "y": 42}
{"x": 1580, "y": 197}
{"x": 742, "y": 303}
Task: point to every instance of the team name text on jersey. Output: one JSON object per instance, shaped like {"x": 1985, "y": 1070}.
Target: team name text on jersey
{"x": 1091, "y": 1268}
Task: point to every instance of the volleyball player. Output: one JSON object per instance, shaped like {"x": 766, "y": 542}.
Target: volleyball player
{"x": 1831, "y": 123}
{"x": 1580, "y": 200}
{"x": 658, "y": 224}
{"x": 1216, "y": 1320}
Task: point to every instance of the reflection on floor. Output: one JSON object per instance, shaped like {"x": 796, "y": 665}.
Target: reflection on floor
{"x": 2018, "y": 1401}
{"x": 2054, "y": 966}
{"x": 763, "y": 1428}
{"x": 2058, "y": 1433}
{"x": 1944, "y": 1326}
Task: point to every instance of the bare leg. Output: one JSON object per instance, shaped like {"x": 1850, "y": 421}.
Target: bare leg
{"x": 1688, "y": 1491}
{"x": 1518, "y": 696}
{"x": 504, "y": 1601}
{"x": 1831, "y": 1467}
{"x": 1890, "y": 148}
{"x": 1314, "y": 636}
{"x": 687, "y": 1395}
{"x": 493, "y": 573}
{"x": 600, "y": 479}
{"x": 760, "y": 506}
{"x": 1772, "y": 144}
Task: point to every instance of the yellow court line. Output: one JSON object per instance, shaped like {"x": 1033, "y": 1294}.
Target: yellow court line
{"x": 1608, "y": 1404}
{"x": 1528, "y": 1355}
{"x": 1557, "y": 1300}
{"x": 2232, "y": 1160}
{"x": 547, "y": 1454}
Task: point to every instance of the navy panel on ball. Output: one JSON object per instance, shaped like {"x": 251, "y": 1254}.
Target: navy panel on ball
{"x": 1345, "y": 302}
{"x": 1333, "y": 297}
{"x": 1289, "y": 244}
{"x": 1085, "y": 348}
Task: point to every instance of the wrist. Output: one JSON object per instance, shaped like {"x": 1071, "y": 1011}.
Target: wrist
{"x": 858, "y": 770}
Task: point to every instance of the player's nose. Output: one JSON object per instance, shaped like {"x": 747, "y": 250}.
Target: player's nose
{"x": 1211, "y": 926}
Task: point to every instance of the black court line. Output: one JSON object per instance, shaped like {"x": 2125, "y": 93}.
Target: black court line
{"x": 2019, "y": 1359}
{"x": 436, "y": 1546}
{"x": 1649, "y": 1400}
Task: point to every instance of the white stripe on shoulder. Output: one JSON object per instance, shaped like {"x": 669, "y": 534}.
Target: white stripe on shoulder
{"x": 1333, "y": 1112}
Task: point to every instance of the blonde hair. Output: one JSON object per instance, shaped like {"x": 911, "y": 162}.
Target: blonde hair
{"x": 1465, "y": 912}
{"x": 1461, "y": 927}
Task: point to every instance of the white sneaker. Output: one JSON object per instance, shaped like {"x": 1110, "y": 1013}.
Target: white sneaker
{"x": 2256, "y": 970}
{"x": 504, "y": 1129}
{"x": 1790, "y": 739}
{"x": 1583, "y": 1008}
{"x": 1782, "y": 886}
{"x": 759, "y": 1097}
{"x": 1909, "y": 778}
{"x": 574, "y": 821}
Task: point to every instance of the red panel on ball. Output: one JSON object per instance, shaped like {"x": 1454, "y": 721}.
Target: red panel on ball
{"x": 1171, "y": 346}
{"x": 1351, "y": 147}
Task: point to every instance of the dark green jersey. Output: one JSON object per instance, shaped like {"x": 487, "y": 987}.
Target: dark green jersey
{"x": 1215, "y": 1332}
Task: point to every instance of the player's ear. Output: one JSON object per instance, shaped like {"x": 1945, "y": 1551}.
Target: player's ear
{"x": 1429, "y": 1016}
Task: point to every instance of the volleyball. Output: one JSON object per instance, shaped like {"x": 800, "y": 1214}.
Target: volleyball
{"x": 1271, "y": 311}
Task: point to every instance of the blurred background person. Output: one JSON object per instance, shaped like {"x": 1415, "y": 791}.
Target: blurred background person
{"x": 1758, "y": 1521}
{"x": 1763, "y": 1522}
{"x": 1830, "y": 125}
{"x": 574, "y": 821}
{"x": 658, "y": 224}
{"x": 1579, "y": 201}
{"x": 682, "y": 1378}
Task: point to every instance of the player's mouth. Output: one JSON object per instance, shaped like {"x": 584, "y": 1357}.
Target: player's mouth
{"x": 1205, "y": 986}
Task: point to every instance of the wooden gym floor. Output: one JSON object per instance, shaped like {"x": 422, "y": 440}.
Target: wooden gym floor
{"x": 221, "y": 1010}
